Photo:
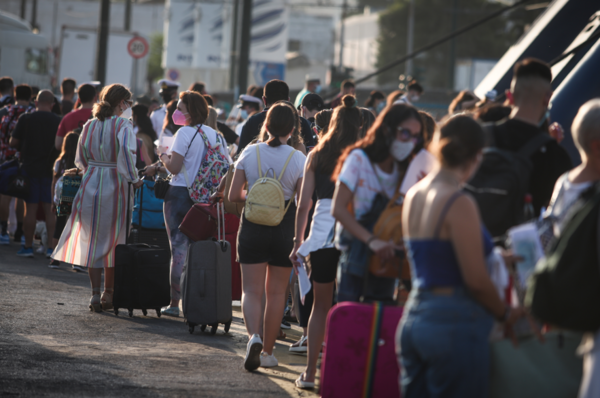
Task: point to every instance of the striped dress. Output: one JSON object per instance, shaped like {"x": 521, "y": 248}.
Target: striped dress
{"x": 97, "y": 224}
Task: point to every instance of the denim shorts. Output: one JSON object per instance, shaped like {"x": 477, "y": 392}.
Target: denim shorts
{"x": 443, "y": 346}
{"x": 263, "y": 244}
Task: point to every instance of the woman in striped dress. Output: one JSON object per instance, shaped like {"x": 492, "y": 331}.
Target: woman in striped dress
{"x": 106, "y": 154}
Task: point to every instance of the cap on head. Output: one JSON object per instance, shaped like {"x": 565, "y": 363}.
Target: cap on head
{"x": 167, "y": 85}
{"x": 313, "y": 101}
{"x": 312, "y": 79}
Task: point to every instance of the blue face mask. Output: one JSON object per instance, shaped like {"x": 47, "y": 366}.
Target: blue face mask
{"x": 244, "y": 114}
{"x": 318, "y": 89}
{"x": 544, "y": 118}
{"x": 380, "y": 107}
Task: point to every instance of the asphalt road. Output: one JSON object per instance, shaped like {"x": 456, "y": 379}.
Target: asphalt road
{"x": 51, "y": 345}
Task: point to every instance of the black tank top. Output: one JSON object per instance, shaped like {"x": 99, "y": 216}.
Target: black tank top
{"x": 324, "y": 187}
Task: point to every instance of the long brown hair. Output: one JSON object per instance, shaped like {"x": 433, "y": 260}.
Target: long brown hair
{"x": 171, "y": 108}
{"x": 343, "y": 131}
{"x": 68, "y": 152}
{"x": 381, "y": 135}
{"x": 279, "y": 123}
{"x": 110, "y": 97}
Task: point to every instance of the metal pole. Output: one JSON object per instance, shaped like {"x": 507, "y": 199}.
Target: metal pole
{"x": 410, "y": 36}
{"x": 34, "y": 14}
{"x": 23, "y": 8}
{"x": 127, "y": 23}
{"x": 341, "y": 60}
{"x": 101, "y": 51}
{"x": 234, "y": 44}
{"x": 453, "y": 46}
{"x": 245, "y": 45}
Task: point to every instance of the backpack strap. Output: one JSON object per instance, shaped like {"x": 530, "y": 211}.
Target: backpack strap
{"x": 258, "y": 161}
{"x": 534, "y": 144}
{"x": 445, "y": 210}
{"x": 488, "y": 129}
{"x": 285, "y": 165}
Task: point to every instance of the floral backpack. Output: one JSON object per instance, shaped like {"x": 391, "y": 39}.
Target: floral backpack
{"x": 7, "y": 125}
{"x": 213, "y": 168}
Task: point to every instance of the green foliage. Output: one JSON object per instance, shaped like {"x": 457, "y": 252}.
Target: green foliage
{"x": 155, "y": 70}
{"x": 435, "y": 19}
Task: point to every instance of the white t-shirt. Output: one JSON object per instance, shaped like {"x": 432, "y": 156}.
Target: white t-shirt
{"x": 419, "y": 167}
{"x": 273, "y": 158}
{"x": 194, "y": 156}
{"x": 564, "y": 196}
{"x": 358, "y": 175}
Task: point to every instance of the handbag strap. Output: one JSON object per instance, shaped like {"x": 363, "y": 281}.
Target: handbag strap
{"x": 373, "y": 349}
{"x": 185, "y": 175}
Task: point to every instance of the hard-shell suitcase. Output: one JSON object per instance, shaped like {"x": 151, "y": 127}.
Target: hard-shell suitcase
{"x": 206, "y": 282}
{"x": 359, "y": 357}
{"x": 142, "y": 276}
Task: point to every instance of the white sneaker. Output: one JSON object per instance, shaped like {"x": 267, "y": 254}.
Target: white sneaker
{"x": 268, "y": 361}
{"x": 253, "y": 360}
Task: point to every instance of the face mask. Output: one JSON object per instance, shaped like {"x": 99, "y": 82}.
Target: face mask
{"x": 401, "y": 150}
{"x": 380, "y": 107}
{"x": 244, "y": 114}
{"x": 318, "y": 89}
{"x": 127, "y": 113}
{"x": 544, "y": 118}
{"x": 414, "y": 98}
{"x": 179, "y": 118}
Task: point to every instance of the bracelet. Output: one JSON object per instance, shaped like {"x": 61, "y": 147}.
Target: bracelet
{"x": 161, "y": 155}
{"x": 371, "y": 239}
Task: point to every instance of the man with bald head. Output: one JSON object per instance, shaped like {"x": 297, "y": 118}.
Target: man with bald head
{"x": 33, "y": 137}
{"x": 529, "y": 94}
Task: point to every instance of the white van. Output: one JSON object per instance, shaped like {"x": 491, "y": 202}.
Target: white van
{"x": 24, "y": 55}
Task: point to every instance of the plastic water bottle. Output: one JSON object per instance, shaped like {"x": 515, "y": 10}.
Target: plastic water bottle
{"x": 528, "y": 211}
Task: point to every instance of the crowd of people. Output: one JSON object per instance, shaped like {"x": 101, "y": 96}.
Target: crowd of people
{"x": 339, "y": 167}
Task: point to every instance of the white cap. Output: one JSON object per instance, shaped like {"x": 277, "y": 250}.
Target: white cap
{"x": 312, "y": 78}
{"x": 167, "y": 84}
{"x": 249, "y": 98}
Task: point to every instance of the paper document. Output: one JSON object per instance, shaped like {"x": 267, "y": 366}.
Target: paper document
{"x": 525, "y": 243}
{"x": 303, "y": 283}
{"x": 166, "y": 142}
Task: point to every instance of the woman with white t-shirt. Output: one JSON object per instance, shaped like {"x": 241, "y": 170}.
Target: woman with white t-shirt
{"x": 374, "y": 165}
{"x": 263, "y": 250}
{"x": 188, "y": 150}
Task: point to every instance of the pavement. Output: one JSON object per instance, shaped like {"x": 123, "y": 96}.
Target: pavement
{"x": 51, "y": 345}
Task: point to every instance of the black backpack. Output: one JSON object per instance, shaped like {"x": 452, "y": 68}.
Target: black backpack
{"x": 500, "y": 184}
{"x": 564, "y": 290}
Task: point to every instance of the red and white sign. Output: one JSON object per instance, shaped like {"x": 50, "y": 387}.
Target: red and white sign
{"x": 138, "y": 47}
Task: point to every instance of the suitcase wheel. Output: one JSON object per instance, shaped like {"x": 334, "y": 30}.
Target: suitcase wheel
{"x": 227, "y": 326}
{"x": 131, "y": 313}
{"x": 191, "y": 329}
{"x": 213, "y": 328}
{"x": 116, "y": 311}
{"x": 158, "y": 312}
{"x": 203, "y": 328}
{"x": 144, "y": 312}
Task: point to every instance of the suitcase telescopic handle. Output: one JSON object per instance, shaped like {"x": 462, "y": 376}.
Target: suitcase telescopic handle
{"x": 221, "y": 223}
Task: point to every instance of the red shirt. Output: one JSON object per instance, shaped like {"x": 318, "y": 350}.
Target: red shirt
{"x": 73, "y": 120}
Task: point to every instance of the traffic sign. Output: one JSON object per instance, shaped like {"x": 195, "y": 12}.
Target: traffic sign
{"x": 137, "y": 47}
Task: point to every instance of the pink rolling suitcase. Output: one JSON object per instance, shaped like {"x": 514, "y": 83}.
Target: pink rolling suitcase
{"x": 359, "y": 357}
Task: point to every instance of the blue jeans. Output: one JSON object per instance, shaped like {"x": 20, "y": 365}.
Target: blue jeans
{"x": 443, "y": 346}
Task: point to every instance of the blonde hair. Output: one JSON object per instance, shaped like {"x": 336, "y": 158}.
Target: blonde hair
{"x": 586, "y": 125}
{"x": 110, "y": 97}
{"x": 211, "y": 120}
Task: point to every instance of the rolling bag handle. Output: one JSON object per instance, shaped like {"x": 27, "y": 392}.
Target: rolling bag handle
{"x": 221, "y": 223}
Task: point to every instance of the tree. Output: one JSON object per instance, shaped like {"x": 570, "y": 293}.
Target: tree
{"x": 155, "y": 70}
{"x": 435, "y": 19}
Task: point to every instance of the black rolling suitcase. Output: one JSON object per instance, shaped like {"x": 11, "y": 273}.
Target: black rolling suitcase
{"x": 142, "y": 276}
{"x": 206, "y": 282}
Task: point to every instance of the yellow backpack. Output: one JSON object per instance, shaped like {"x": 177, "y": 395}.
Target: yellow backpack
{"x": 265, "y": 203}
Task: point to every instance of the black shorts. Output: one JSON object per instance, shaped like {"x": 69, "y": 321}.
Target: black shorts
{"x": 61, "y": 221}
{"x": 323, "y": 265}
{"x": 263, "y": 244}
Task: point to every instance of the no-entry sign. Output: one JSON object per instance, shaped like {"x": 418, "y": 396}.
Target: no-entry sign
{"x": 137, "y": 47}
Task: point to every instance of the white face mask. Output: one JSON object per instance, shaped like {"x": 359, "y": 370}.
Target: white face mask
{"x": 400, "y": 150}
{"x": 414, "y": 98}
{"x": 127, "y": 113}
